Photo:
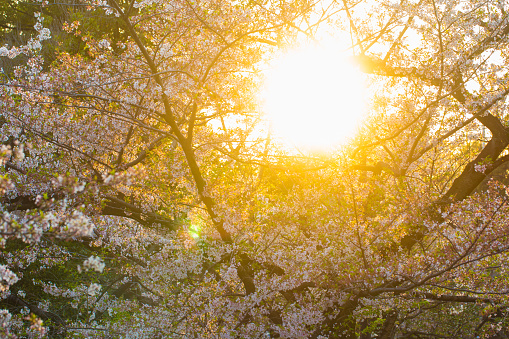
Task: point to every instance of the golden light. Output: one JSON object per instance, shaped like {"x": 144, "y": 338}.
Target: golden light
{"x": 315, "y": 96}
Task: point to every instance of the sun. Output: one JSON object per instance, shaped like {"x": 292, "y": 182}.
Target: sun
{"x": 315, "y": 96}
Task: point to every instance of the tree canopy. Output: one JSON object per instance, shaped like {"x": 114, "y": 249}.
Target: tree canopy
{"x": 142, "y": 196}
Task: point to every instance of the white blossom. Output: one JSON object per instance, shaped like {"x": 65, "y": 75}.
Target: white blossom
{"x": 7, "y": 278}
{"x": 95, "y": 263}
{"x": 481, "y": 168}
{"x": 93, "y": 289}
{"x": 104, "y": 43}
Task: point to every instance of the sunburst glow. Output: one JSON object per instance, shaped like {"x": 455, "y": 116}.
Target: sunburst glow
{"x": 315, "y": 96}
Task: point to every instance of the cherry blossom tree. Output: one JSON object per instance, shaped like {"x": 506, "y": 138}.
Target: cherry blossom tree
{"x": 141, "y": 196}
